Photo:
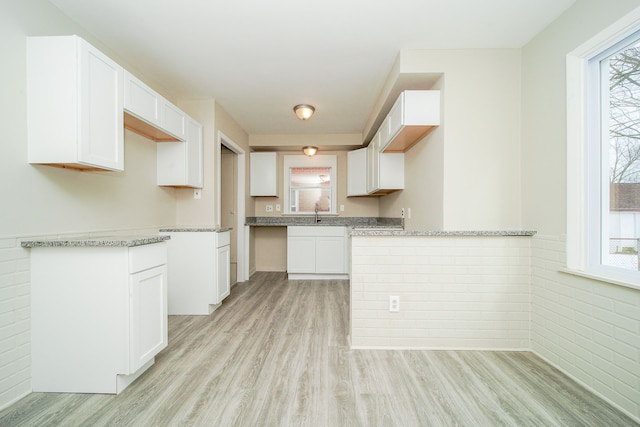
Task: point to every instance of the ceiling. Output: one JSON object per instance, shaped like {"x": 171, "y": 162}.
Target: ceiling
{"x": 260, "y": 58}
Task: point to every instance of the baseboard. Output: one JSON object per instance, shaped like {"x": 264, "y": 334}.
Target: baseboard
{"x": 11, "y": 402}
{"x": 402, "y": 348}
{"x": 589, "y": 388}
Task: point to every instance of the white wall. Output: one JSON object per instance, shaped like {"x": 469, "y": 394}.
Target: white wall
{"x": 479, "y": 142}
{"x": 587, "y": 328}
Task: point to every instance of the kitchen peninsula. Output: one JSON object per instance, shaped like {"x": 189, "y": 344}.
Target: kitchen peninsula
{"x": 454, "y": 289}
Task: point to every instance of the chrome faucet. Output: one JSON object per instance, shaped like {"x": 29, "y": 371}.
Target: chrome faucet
{"x": 317, "y": 219}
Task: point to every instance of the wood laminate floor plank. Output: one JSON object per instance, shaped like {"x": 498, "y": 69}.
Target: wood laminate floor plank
{"x": 276, "y": 353}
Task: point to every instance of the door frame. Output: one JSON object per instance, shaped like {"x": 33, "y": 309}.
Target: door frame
{"x": 242, "y": 250}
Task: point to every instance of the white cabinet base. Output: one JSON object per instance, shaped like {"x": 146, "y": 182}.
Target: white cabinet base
{"x": 98, "y": 316}
{"x": 198, "y": 271}
{"x": 317, "y": 253}
{"x": 314, "y": 276}
{"x": 123, "y": 381}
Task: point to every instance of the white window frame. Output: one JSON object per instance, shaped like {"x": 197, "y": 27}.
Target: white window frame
{"x": 584, "y": 213}
{"x": 295, "y": 161}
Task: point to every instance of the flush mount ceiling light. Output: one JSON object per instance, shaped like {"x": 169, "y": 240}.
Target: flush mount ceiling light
{"x": 309, "y": 150}
{"x": 304, "y": 111}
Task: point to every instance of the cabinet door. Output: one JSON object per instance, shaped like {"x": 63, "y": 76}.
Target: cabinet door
{"x": 330, "y": 255}
{"x": 179, "y": 164}
{"x": 173, "y": 120}
{"x": 357, "y": 172}
{"x": 395, "y": 120}
{"x": 194, "y": 154}
{"x": 140, "y": 100}
{"x": 373, "y": 164}
{"x": 264, "y": 174}
{"x": 148, "y": 313}
{"x": 101, "y": 106}
{"x": 224, "y": 278}
{"x": 301, "y": 254}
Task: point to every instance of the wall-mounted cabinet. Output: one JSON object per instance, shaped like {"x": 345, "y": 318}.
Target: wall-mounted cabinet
{"x": 413, "y": 115}
{"x": 372, "y": 173}
{"x": 149, "y": 114}
{"x": 74, "y": 105}
{"x": 180, "y": 163}
{"x": 357, "y": 172}
{"x": 264, "y": 174}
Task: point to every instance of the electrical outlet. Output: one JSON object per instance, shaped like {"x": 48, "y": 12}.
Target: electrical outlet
{"x": 341, "y": 208}
{"x": 269, "y": 208}
{"x": 197, "y": 193}
{"x": 394, "y": 303}
{"x": 402, "y": 213}
{"x": 278, "y": 207}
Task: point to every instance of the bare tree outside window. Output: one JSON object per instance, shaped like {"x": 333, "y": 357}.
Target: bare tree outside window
{"x": 624, "y": 111}
{"x": 624, "y": 158}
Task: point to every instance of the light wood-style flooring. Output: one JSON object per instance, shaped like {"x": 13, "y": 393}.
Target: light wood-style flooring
{"x": 276, "y": 354}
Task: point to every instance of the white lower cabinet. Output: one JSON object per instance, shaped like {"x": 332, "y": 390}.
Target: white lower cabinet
{"x": 98, "y": 316}
{"x": 317, "y": 252}
{"x": 199, "y": 270}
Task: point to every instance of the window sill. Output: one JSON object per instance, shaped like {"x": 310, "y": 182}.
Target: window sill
{"x": 624, "y": 282}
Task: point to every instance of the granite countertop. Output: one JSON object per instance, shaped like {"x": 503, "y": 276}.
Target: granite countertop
{"x": 345, "y": 221}
{"x": 127, "y": 241}
{"x": 478, "y": 233}
{"x": 195, "y": 229}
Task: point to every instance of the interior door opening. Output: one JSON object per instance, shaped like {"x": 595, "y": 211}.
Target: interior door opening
{"x": 231, "y": 208}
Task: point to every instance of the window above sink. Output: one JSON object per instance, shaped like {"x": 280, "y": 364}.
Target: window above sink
{"x": 310, "y": 184}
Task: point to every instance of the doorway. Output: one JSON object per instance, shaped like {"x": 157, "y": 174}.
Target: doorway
{"x": 231, "y": 209}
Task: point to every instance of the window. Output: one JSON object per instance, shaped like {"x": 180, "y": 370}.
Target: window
{"x": 603, "y": 106}
{"x": 310, "y": 184}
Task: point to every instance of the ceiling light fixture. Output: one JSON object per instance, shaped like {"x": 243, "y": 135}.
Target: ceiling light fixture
{"x": 309, "y": 150}
{"x": 304, "y": 111}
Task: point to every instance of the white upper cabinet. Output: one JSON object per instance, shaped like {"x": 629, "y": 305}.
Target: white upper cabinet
{"x": 264, "y": 174}
{"x": 74, "y": 105}
{"x": 414, "y": 114}
{"x": 357, "y": 172}
{"x": 180, "y": 163}
{"x": 151, "y": 115}
{"x": 373, "y": 163}
{"x": 374, "y": 173}
{"x": 173, "y": 120}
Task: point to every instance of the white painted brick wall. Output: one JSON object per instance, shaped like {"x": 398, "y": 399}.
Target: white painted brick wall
{"x": 455, "y": 292}
{"x": 587, "y": 328}
{"x": 15, "y": 355}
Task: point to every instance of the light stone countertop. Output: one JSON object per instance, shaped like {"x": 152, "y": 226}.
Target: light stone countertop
{"x": 128, "y": 241}
{"x": 195, "y": 229}
{"x": 325, "y": 220}
{"x": 471, "y": 233}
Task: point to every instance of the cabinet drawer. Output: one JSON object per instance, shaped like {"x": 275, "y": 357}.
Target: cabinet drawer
{"x": 315, "y": 231}
{"x": 147, "y": 256}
